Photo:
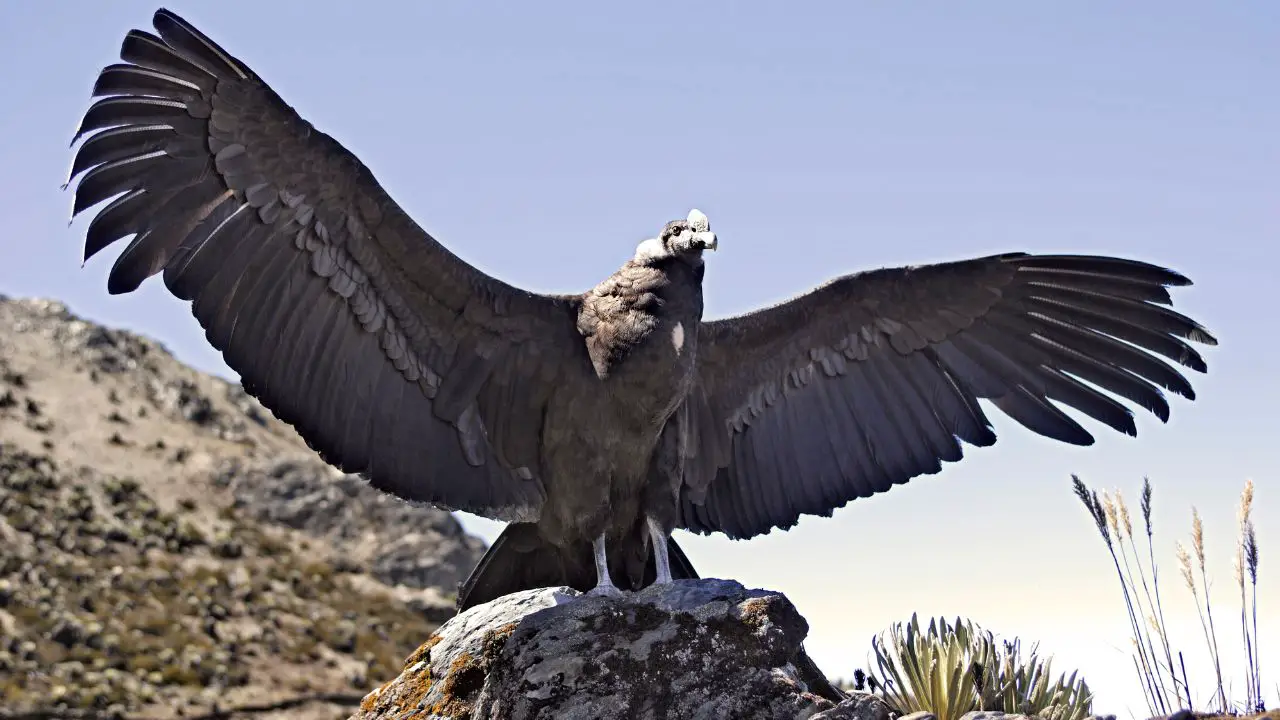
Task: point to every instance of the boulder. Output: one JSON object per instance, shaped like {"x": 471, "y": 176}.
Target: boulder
{"x": 694, "y": 650}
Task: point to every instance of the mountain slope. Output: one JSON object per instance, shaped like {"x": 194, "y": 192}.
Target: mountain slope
{"x": 168, "y": 543}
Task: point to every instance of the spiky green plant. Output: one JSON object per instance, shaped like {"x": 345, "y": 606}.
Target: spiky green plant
{"x": 951, "y": 669}
{"x": 1024, "y": 687}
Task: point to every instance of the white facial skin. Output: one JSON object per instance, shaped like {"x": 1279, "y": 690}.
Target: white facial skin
{"x": 693, "y": 235}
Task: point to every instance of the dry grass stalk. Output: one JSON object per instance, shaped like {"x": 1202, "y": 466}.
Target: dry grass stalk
{"x": 1145, "y": 505}
{"x": 1211, "y": 635}
{"x": 1246, "y": 562}
{"x": 1122, "y": 525}
{"x": 1146, "y": 664}
{"x": 1153, "y": 654}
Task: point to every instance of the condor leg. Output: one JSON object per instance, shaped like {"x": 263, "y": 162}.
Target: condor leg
{"x": 604, "y": 585}
{"x": 658, "y": 537}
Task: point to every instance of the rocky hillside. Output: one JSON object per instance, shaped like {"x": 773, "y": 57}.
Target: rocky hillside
{"x": 168, "y": 547}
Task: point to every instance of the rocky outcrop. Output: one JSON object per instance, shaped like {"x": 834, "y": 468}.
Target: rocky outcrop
{"x": 397, "y": 542}
{"x": 705, "y": 649}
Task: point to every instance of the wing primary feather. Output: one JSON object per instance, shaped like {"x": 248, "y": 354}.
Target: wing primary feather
{"x": 123, "y": 216}
{"x": 1130, "y": 270}
{"x": 196, "y": 46}
{"x": 134, "y": 110}
{"x": 113, "y": 178}
{"x": 1094, "y": 344}
{"x": 1155, "y": 318}
{"x": 1102, "y": 284}
{"x": 123, "y": 79}
{"x": 1160, "y": 343}
{"x": 1038, "y": 416}
{"x": 189, "y": 270}
{"x": 1073, "y": 393}
{"x": 119, "y": 143}
{"x": 166, "y": 229}
{"x": 145, "y": 49}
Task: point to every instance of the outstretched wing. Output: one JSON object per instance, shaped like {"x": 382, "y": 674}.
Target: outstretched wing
{"x": 874, "y": 378}
{"x": 391, "y": 356}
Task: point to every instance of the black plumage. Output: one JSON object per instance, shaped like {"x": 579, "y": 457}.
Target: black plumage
{"x": 598, "y": 422}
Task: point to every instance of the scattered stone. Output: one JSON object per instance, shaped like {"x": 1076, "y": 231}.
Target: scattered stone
{"x": 866, "y": 706}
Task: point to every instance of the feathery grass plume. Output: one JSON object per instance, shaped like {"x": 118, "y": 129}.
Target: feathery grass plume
{"x": 1237, "y": 568}
{"x": 1122, "y": 526}
{"x": 1124, "y": 515}
{"x": 1155, "y": 588}
{"x": 1252, "y": 693}
{"x": 1197, "y": 537}
{"x": 1146, "y": 505}
{"x": 1189, "y": 578}
{"x": 1246, "y": 562}
{"x": 1109, "y": 509}
{"x": 1104, "y": 517}
{"x": 1184, "y": 562}
{"x": 1251, "y": 562}
{"x": 1090, "y": 500}
{"x": 1211, "y": 635}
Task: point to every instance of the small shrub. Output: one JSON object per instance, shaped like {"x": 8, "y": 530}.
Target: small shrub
{"x": 950, "y": 670}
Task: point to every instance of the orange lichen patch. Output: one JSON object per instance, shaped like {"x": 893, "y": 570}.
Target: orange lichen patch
{"x": 458, "y": 688}
{"x": 465, "y": 677}
{"x": 496, "y": 639}
{"x": 423, "y": 651}
{"x": 370, "y": 701}
{"x": 755, "y": 610}
{"x": 415, "y": 687}
{"x": 407, "y": 690}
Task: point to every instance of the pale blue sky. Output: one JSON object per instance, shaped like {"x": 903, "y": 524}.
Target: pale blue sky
{"x": 542, "y": 141}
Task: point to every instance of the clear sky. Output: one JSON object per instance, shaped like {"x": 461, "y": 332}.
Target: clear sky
{"x": 543, "y": 141}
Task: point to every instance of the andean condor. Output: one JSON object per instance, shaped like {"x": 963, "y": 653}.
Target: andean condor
{"x": 595, "y": 423}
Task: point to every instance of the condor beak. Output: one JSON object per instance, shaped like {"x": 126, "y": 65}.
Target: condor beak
{"x": 702, "y": 235}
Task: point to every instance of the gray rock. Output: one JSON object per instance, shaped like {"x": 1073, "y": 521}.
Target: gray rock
{"x": 697, "y": 650}
{"x": 866, "y": 706}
